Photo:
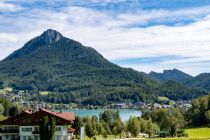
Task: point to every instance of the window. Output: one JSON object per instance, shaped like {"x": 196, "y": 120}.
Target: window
{"x": 57, "y": 137}
{"x": 58, "y": 129}
{"x": 30, "y": 138}
{"x": 36, "y": 128}
{"x": 6, "y": 128}
{"x": 16, "y": 127}
{"x": 7, "y": 136}
{"x": 36, "y": 137}
{"x": 13, "y": 137}
{"x": 24, "y": 137}
{"x": 27, "y": 129}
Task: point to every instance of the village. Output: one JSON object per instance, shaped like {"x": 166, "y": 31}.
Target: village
{"x": 21, "y": 98}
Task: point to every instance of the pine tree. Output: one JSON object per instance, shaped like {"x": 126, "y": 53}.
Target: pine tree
{"x": 52, "y": 128}
{"x": 47, "y": 128}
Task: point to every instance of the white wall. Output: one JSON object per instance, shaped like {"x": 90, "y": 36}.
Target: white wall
{"x": 60, "y": 133}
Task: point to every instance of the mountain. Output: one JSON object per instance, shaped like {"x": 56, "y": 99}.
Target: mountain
{"x": 201, "y": 81}
{"x": 174, "y": 74}
{"x": 72, "y": 72}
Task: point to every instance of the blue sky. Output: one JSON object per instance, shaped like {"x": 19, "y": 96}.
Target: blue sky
{"x": 147, "y": 35}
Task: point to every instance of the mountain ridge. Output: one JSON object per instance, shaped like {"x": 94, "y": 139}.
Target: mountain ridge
{"x": 173, "y": 74}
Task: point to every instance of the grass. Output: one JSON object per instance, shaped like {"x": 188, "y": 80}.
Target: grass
{"x": 180, "y": 138}
{"x": 99, "y": 137}
{"x": 2, "y": 91}
{"x": 163, "y": 98}
{"x": 44, "y": 92}
{"x": 2, "y": 118}
{"x": 5, "y": 90}
{"x": 8, "y": 89}
{"x": 203, "y": 132}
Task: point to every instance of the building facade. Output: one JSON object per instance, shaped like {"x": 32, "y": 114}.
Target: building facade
{"x": 25, "y": 126}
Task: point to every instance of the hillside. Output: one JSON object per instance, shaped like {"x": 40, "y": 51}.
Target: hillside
{"x": 201, "y": 81}
{"x": 174, "y": 74}
{"x": 76, "y": 73}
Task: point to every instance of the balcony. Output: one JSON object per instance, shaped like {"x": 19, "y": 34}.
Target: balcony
{"x": 9, "y": 131}
{"x": 36, "y": 132}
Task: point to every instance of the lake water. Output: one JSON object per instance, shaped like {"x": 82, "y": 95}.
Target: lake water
{"x": 125, "y": 114}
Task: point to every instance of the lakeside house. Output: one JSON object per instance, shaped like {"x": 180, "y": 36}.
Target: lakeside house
{"x": 25, "y": 126}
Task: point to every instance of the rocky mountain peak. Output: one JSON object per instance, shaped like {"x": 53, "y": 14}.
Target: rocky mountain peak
{"x": 50, "y": 36}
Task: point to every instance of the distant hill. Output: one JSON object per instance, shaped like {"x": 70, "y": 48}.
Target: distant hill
{"x": 174, "y": 74}
{"x": 72, "y": 72}
{"x": 201, "y": 81}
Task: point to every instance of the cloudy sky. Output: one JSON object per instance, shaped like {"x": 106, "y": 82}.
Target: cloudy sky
{"x": 147, "y": 35}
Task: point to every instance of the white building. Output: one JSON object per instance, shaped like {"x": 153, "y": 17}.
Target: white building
{"x": 25, "y": 126}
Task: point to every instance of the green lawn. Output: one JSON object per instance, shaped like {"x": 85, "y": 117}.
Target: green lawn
{"x": 180, "y": 138}
{"x": 5, "y": 90}
{"x": 8, "y": 89}
{"x": 44, "y": 92}
{"x": 161, "y": 98}
{"x": 203, "y": 132}
{"x": 99, "y": 137}
{"x": 2, "y": 91}
{"x": 193, "y": 134}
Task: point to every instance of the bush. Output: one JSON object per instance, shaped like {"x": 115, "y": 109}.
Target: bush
{"x": 181, "y": 133}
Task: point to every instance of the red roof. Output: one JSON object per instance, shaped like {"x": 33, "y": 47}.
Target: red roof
{"x": 12, "y": 120}
{"x": 27, "y": 115}
{"x": 65, "y": 115}
{"x": 69, "y": 116}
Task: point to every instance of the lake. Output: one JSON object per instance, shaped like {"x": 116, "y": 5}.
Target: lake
{"x": 125, "y": 114}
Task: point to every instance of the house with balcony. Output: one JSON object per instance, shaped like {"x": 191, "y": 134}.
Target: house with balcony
{"x": 25, "y": 126}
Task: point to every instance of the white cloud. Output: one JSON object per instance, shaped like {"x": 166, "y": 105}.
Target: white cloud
{"x": 7, "y": 7}
{"x": 111, "y": 34}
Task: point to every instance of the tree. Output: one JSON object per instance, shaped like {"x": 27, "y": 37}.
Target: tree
{"x": 89, "y": 128}
{"x": 207, "y": 115}
{"x": 47, "y": 128}
{"x": 77, "y": 125}
{"x": 14, "y": 110}
{"x": 7, "y": 105}
{"x": 44, "y": 128}
{"x": 1, "y": 85}
{"x": 197, "y": 113}
{"x": 170, "y": 120}
{"x": 118, "y": 128}
{"x": 133, "y": 126}
{"x": 143, "y": 125}
{"x": 150, "y": 128}
{"x": 109, "y": 120}
{"x": 52, "y": 128}
{"x": 209, "y": 103}
{"x": 1, "y": 109}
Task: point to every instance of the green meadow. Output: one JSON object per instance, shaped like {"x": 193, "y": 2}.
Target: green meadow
{"x": 203, "y": 132}
{"x": 44, "y": 92}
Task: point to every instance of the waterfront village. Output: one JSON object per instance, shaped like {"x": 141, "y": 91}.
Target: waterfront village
{"x": 21, "y": 98}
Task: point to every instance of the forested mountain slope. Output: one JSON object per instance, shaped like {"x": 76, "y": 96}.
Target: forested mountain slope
{"x": 73, "y": 72}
